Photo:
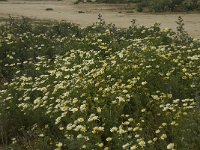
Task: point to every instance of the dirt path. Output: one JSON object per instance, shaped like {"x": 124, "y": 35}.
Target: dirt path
{"x": 86, "y": 14}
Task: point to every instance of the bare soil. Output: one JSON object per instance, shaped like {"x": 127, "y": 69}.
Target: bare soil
{"x": 86, "y": 14}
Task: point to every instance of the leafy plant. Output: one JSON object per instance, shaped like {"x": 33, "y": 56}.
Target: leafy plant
{"x": 100, "y": 87}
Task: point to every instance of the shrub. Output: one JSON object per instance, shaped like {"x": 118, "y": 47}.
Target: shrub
{"x": 158, "y": 5}
{"x": 100, "y": 88}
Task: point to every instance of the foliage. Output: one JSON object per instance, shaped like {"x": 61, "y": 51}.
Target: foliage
{"x": 100, "y": 87}
{"x": 174, "y": 5}
{"x": 157, "y": 5}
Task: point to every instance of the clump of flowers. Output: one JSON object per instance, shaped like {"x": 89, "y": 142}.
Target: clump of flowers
{"x": 139, "y": 95}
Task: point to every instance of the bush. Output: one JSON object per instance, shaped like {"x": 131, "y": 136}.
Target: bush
{"x": 100, "y": 88}
{"x": 159, "y": 5}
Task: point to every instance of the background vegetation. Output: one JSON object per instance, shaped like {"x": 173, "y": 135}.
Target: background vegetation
{"x": 159, "y": 5}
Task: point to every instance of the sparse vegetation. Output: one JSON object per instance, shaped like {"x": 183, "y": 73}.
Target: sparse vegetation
{"x": 49, "y": 9}
{"x": 158, "y": 5}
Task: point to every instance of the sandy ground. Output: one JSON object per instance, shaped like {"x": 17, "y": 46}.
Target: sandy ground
{"x": 66, "y": 10}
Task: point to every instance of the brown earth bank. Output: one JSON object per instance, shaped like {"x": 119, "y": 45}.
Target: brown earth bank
{"x": 86, "y": 14}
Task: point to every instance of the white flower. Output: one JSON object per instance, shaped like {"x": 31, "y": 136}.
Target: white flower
{"x": 163, "y": 136}
{"x": 157, "y": 131}
{"x": 83, "y": 107}
{"x": 69, "y": 127}
{"x": 108, "y": 139}
{"x": 79, "y": 136}
{"x": 80, "y": 120}
{"x": 41, "y": 135}
{"x": 125, "y": 146}
{"x": 113, "y": 129}
{"x": 133, "y": 147}
{"x": 155, "y": 139}
{"x": 144, "y": 83}
{"x": 142, "y": 143}
{"x": 84, "y": 146}
{"x": 136, "y": 129}
{"x": 100, "y": 144}
{"x": 98, "y": 109}
{"x": 92, "y": 118}
{"x": 150, "y": 141}
{"x": 170, "y": 146}
{"x": 74, "y": 110}
{"x": 59, "y": 144}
